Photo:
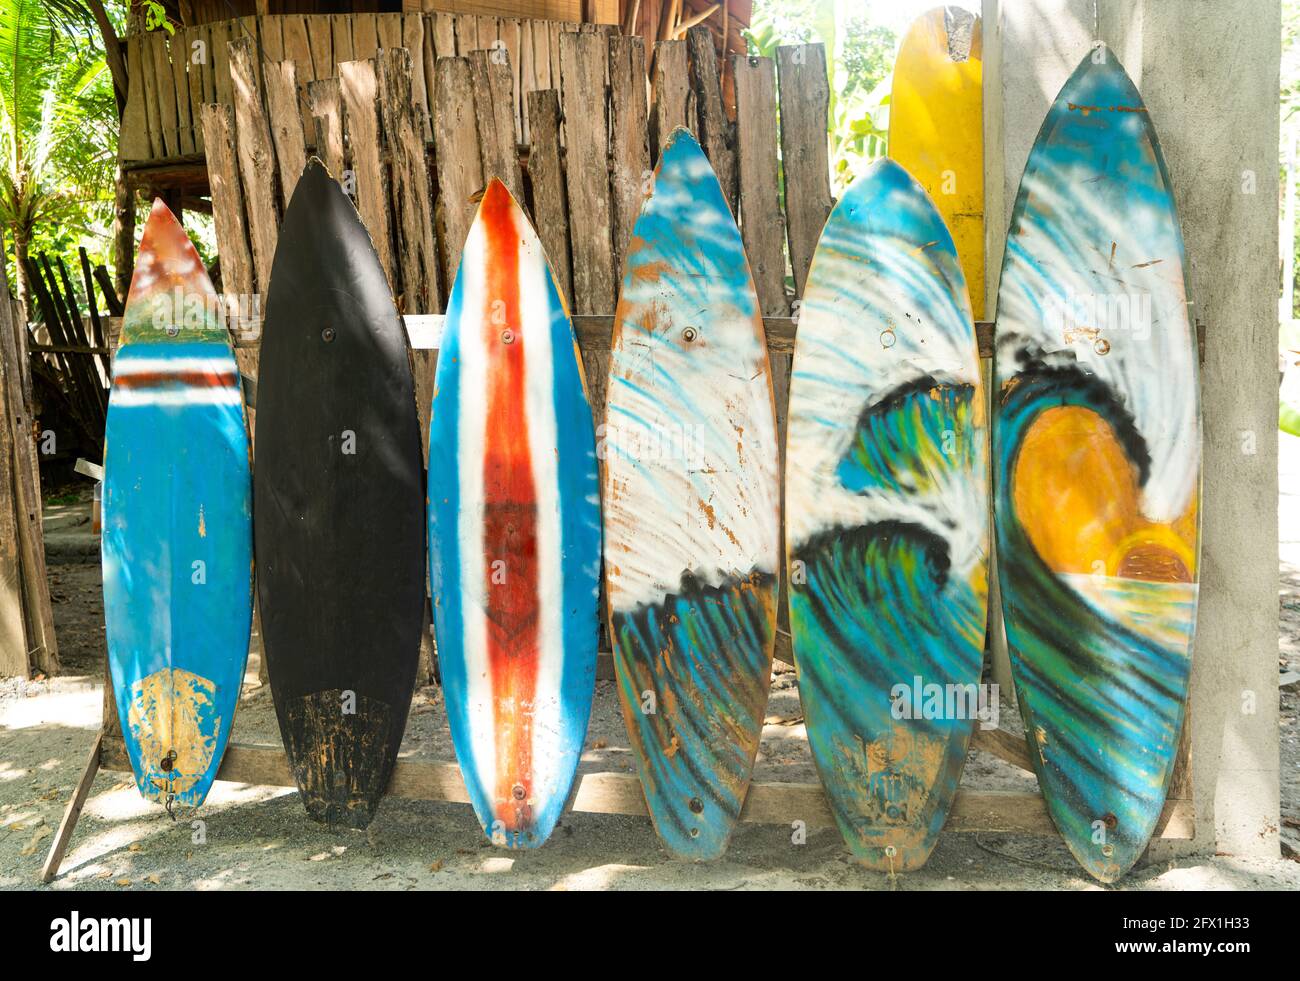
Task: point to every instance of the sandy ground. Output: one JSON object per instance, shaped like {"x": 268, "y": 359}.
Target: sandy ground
{"x": 247, "y": 837}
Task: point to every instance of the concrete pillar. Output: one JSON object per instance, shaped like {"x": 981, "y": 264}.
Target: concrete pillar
{"x": 1209, "y": 73}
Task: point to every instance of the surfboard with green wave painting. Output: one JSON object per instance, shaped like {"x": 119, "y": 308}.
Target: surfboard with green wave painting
{"x": 887, "y": 517}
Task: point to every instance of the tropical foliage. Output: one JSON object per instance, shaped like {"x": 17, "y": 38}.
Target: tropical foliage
{"x": 58, "y": 131}
{"x": 859, "y": 62}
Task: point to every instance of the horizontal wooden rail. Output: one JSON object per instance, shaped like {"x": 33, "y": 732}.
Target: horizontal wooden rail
{"x": 594, "y": 332}
{"x": 608, "y": 792}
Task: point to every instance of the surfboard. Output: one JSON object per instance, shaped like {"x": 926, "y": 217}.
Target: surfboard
{"x": 514, "y": 529}
{"x": 177, "y": 543}
{"x": 887, "y": 532}
{"x": 936, "y": 127}
{"x": 339, "y": 490}
{"x": 691, "y": 506}
{"x": 1097, "y": 450}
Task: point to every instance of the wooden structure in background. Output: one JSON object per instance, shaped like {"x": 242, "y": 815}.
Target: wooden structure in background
{"x": 27, "y": 641}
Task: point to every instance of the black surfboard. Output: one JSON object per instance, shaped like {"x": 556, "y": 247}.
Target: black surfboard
{"x": 338, "y": 493}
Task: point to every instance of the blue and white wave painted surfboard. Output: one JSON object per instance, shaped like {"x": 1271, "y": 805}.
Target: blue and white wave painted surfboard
{"x": 887, "y": 517}
{"x": 691, "y": 506}
{"x": 1097, "y": 456}
{"x": 177, "y": 543}
{"x": 514, "y": 529}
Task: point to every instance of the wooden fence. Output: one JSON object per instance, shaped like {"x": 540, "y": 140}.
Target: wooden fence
{"x": 172, "y": 77}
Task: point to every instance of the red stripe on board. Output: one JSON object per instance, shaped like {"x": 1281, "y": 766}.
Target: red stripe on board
{"x": 195, "y": 379}
{"x": 509, "y": 517}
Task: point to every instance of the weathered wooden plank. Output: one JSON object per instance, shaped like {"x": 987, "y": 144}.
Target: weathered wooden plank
{"x": 553, "y": 30}
{"x": 271, "y": 32}
{"x": 193, "y": 53}
{"x": 202, "y": 58}
{"x": 178, "y": 54}
{"x": 256, "y": 160}
{"x": 582, "y": 72}
{"x": 413, "y": 40}
{"x": 13, "y": 632}
{"x": 228, "y": 217}
{"x": 494, "y": 113}
{"x": 629, "y": 152}
{"x": 412, "y": 203}
{"x": 716, "y": 135}
{"x": 164, "y": 92}
{"x": 550, "y": 199}
{"x": 286, "y": 124}
{"x": 442, "y": 26}
{"x": 220, "y": 53}
{"x": 42, "y": 643}
{"x": 762, "y": 225}
{"x": 320, "y": 37}
{"x": 511, "y": 36}
{"x": 607, "y": 792}
{"x": 1006, "y": 746}
{"x": 297, "y": 48}
{"x": 325, "y": 99}
{"x": 344, "y": 35}
{"x": 460, "y": 164}
{"x": 674, "y": 98}
{"x": 359, "y": 85}
{"x": 489, "y": 32}
{"x": 388, "y": 28}
{"x": 63, "y": 836}
{"x": 135, "y": 139}
{"x": 365, "y": 36}
{"x": 804, "y": 95}
{"x": 541, "y": 42}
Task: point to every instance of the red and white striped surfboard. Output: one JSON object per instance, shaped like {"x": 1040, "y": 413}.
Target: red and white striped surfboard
{"x": 514, "y": 529}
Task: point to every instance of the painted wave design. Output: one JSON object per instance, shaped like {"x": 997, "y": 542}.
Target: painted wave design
{"x": 1102, "y": 699}
{"x": 886, "y": 504}
{"x": 691, "y": 506}
{"x": 693, "y": 679}
{"x": 1099, "y": 591}
{"x": 879, "y": 609}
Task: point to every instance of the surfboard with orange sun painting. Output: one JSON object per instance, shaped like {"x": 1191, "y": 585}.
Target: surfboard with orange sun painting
{"x": 1097, "y": 449}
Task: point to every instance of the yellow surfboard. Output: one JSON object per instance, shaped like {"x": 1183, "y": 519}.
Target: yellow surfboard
{"x": 936, "y": 127}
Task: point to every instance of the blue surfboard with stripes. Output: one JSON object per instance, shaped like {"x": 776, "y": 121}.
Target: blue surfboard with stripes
{"x": 177, "y": 546}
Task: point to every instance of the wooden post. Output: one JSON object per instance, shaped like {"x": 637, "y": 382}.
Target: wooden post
{"x": 583, "y": 60}
{"x": 256, "y": 160}
{"x": 805, "y": 101}
{"x": 629, "y": 152}
{"x": 360, "y": 88}
{"x": 281, "y": 81}
{"x": 550, "y": 199}
{"x": 761, "y": 224}
{"x": 412, "y": 205}
{"x": 31, "y": 537}
{"x": 325, "y": 101}
{"x": 460, "y": 166}
{"x": 674, "y": 99}
{"x": 13, "y": 633}
{"x": 495, "y": 115}
{"x": 715, "y": 129}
